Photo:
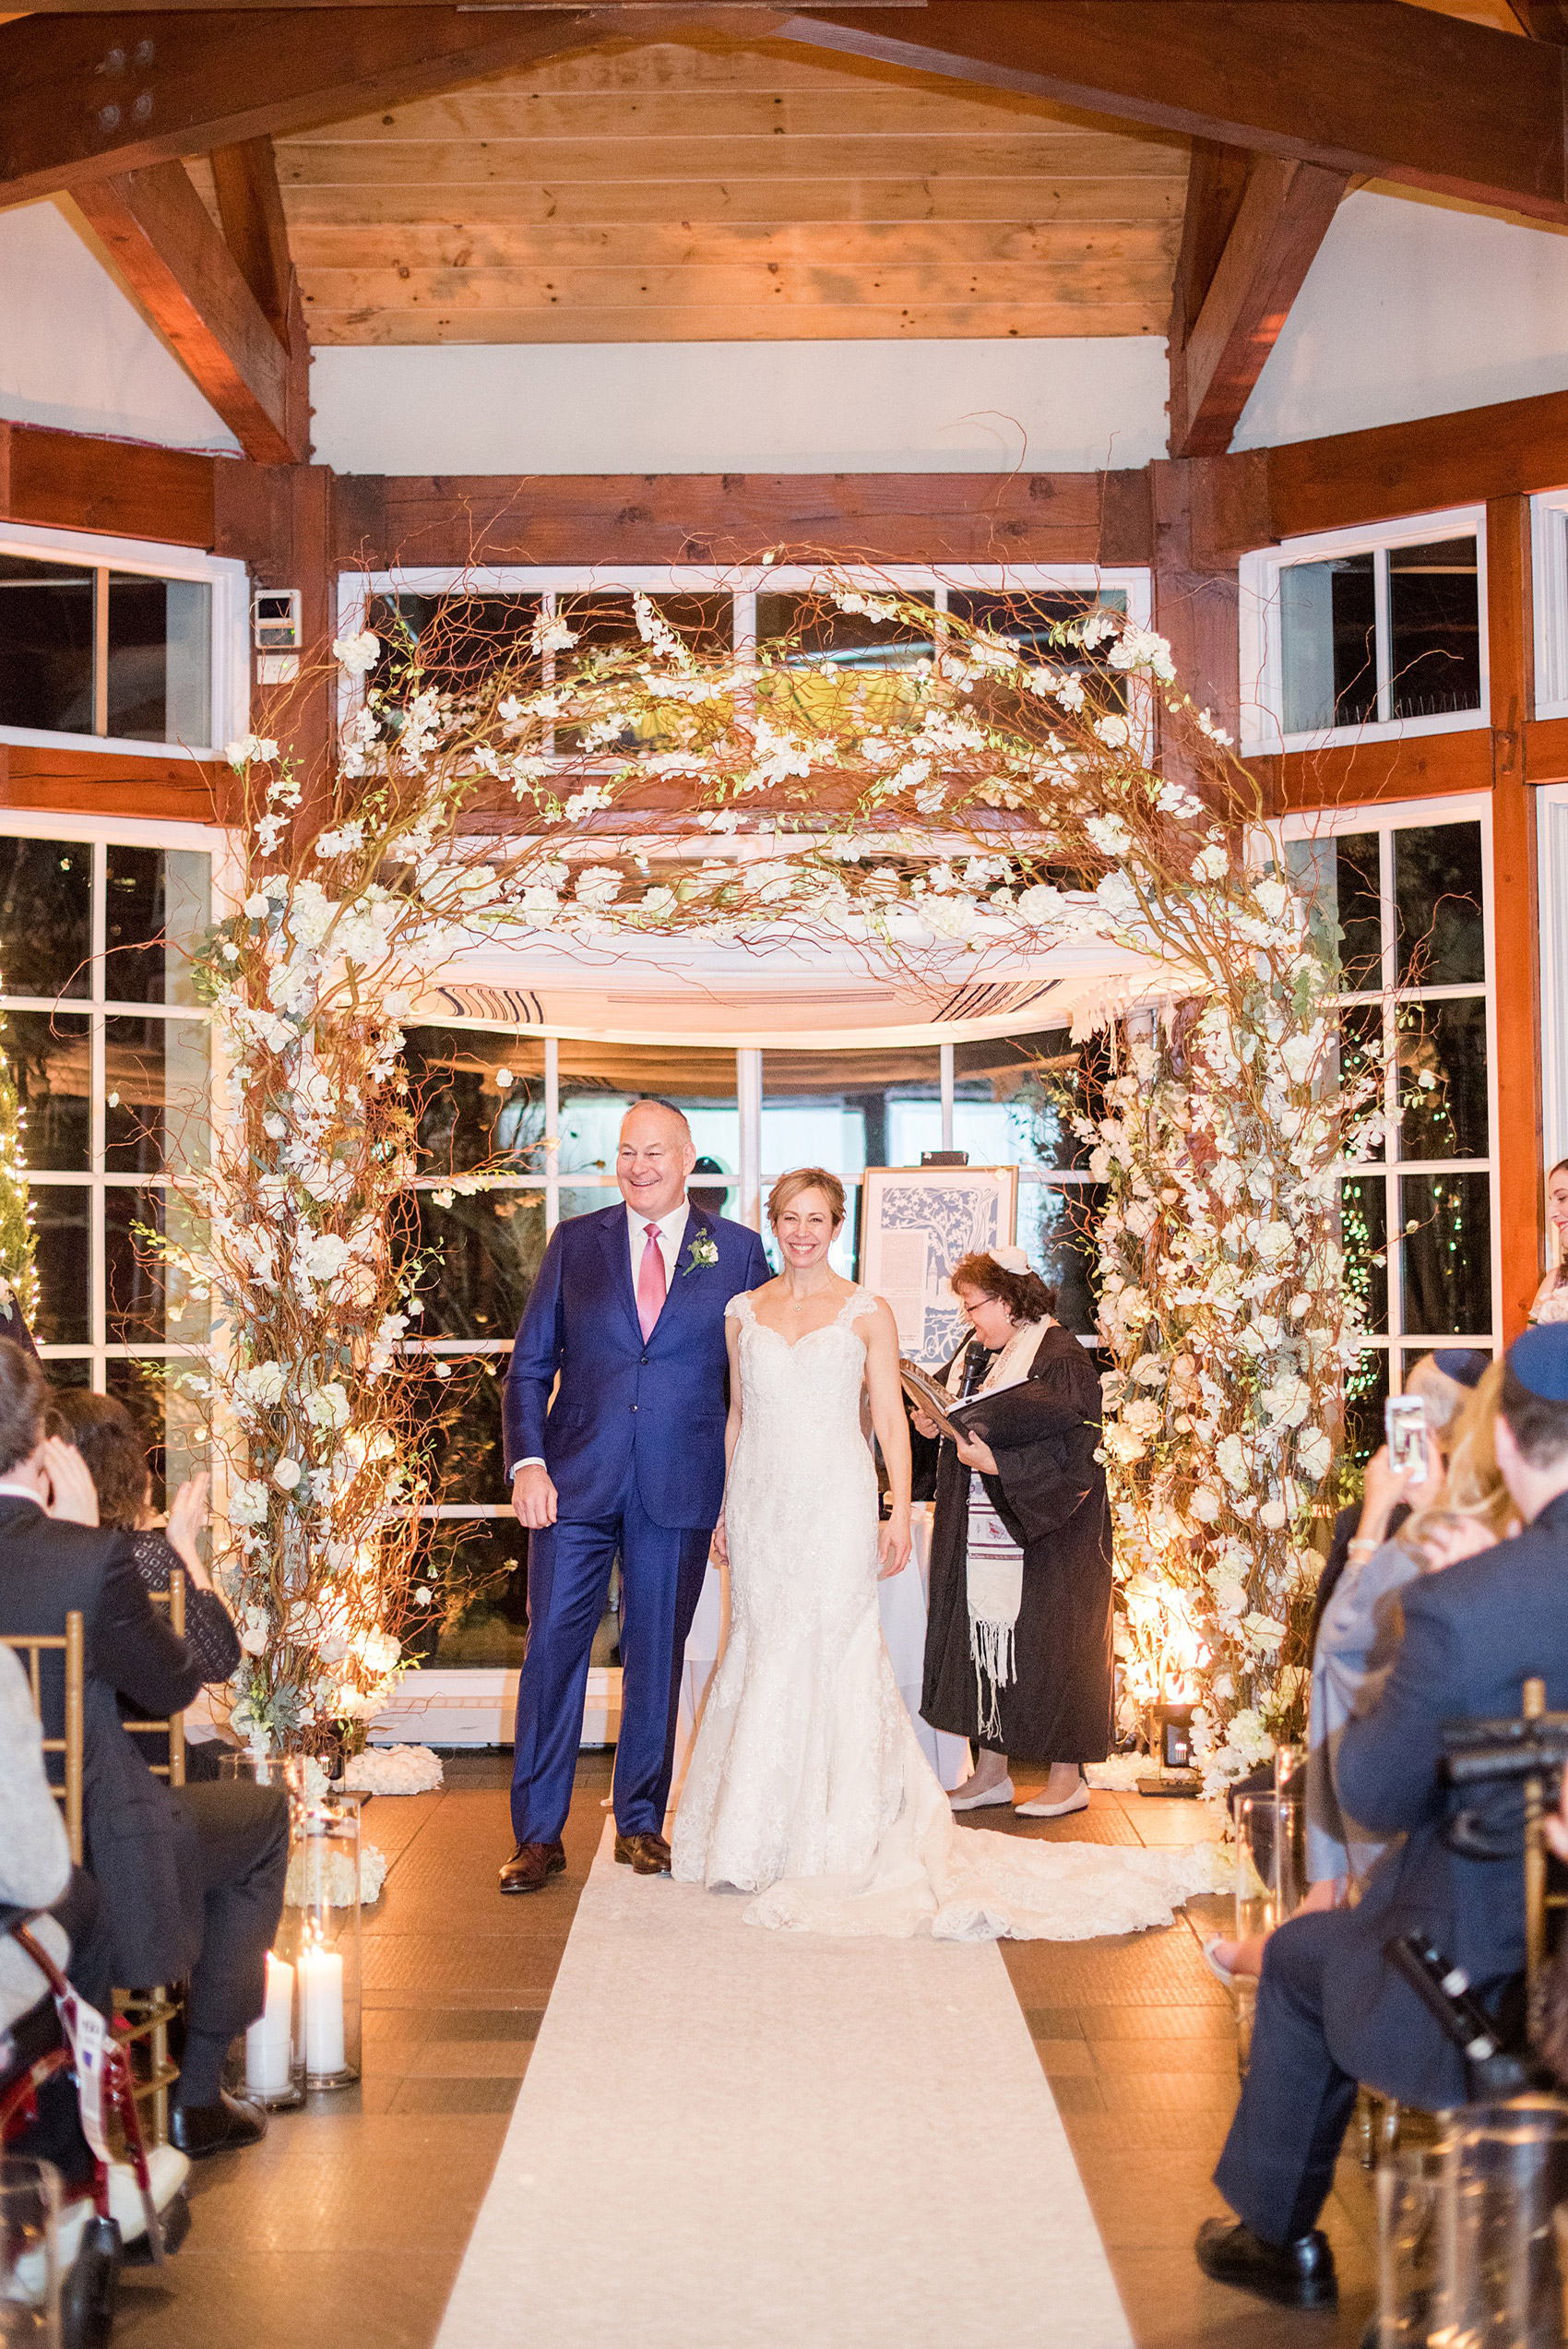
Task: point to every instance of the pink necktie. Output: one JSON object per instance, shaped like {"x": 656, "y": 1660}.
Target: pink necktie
{"x": 651, "y": 1284}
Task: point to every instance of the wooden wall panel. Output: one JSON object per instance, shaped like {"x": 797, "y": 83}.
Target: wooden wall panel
{"x": 181, "y": 790}
{"x": 1516, "y": 906}
{"x": 714, "y": 518}
{"x": 69, "y": 481}
{"x": 1344, "y": 479}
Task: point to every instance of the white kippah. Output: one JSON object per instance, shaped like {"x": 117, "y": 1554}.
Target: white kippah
{"x": 1010, "y": 1259}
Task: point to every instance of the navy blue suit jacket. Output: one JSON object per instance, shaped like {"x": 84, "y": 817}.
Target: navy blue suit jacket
{"x": 658, "y": 1407}
{"x": 1473, "y": 1635}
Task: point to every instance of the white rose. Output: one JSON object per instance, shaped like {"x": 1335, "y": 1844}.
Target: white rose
{"x": 287, "y": 1475}
{"x": 1206, "y": 1504}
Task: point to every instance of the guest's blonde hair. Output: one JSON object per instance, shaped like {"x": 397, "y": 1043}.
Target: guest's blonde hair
{"x": 1473, "y": 1487}
{"x": 789, "y": 1187}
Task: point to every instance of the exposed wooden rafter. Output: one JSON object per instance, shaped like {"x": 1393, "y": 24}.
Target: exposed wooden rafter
{"x": 250, "y": 206}
{"x": 1251, "y": 236}
{"x": 1367, "y": 88}
{"x": 87, "y": 96}
{"x": 182, "y": 275}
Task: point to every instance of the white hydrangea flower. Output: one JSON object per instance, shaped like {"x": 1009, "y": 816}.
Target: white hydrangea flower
{"x": 358, "y": 653}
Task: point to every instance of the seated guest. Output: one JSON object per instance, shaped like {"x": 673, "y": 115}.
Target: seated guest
{"x": 191, "y": 1882}
{"x": 1331, "y": 2010}
{"x": 104, "y": 1433}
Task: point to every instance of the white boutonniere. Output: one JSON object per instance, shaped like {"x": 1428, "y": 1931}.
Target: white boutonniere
{"x": 702, "y": 1255}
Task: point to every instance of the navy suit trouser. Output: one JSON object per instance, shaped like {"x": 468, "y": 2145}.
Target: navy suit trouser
{"x": 662, "y": 1568}
{"x": 1277, "y": 2165}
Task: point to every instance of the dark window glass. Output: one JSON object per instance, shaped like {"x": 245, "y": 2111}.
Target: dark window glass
{"x": 1360, "y": 1058}
{"x": 1366, "y": 1392}
{"x": 609, "y": 624}
{"x": 826, "y": 666}
{"x": 145, "y": 1298}
{"x": 145, "y": 1389}
{"x": 46, "y": 645}
{"x": 1038, "y": 1081}
{"x": 459, "y": 641}
{"x": 1447, "y": 1256}
{"x": 1056, "y": 1232}
{"x": 51, "y": 1062}
{"x": 490, "y": 1246}
{"x": 155, "y": 1095}
{"x": 1443, "y": 1102}
{"x": 1434, "y": 629}
{"x": 601, "y": 1081}
{"x": 1363, "y": 1235}
{"x": 160, "y": 636}
{"x": 45, "y": 917}
{"x": 1028, "y": 621}
{"x": 584, "y": 1199}
{"x": 156, "y": 909}
{"x": 479, "y": 1611}
{"x": 1328, "y": 623}
{"x": 1437, "y": 895}
{"x": 60, "y": 1229}
{"x": 457, "y": 1426}
{"x": 466, "y": 1117}
{"x": 1358, "y": 894}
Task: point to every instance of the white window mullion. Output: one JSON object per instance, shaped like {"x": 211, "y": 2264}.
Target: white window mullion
{"x": 1382, "y": 636}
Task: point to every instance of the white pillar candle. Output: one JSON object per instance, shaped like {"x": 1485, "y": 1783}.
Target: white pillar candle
{"x": 268, "y": 2040}
{"x": 321, "y": 1997}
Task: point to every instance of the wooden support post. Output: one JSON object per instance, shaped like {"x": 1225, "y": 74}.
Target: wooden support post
{"x": 1516, "y": 910}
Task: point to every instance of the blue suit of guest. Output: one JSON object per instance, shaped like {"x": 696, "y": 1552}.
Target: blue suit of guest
{"x": 633, "y": 1445}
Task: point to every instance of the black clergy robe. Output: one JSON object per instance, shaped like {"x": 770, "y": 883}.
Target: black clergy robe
{"x": 1050, "y": 1492}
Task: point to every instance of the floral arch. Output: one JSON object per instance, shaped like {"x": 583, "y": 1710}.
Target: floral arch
{"x": 992, "y": 796}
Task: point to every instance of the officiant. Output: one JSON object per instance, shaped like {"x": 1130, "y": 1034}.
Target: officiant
{"x": 1019, "y": 1641}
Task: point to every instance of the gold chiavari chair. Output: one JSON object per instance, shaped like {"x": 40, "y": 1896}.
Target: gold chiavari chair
{"x": 146, "y": 2014}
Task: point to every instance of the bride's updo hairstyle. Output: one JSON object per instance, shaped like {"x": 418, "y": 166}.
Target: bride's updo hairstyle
{"x": 806, "y": 1178}
{"x": 1025, "y": 1295}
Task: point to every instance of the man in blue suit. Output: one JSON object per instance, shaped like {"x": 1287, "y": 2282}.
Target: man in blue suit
{"x": 1331, "y": 2009}
{"x": 627, "y": 1315}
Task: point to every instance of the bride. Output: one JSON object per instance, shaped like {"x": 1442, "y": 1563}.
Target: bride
{"x": 807, "y": 1786}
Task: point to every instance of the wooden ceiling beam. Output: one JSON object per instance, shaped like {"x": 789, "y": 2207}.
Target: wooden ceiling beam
{"x": 87, "y": 96}
{"x": 182, "y": 274}
{"x": 1274, "y": 230}
{"x": 250, "y": 205}
{"x": 1368, "y": 88}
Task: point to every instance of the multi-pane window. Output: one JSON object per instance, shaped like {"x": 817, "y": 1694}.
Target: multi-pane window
{"x": 133, "y": 645}
{"x": 112, "y": 1058}
{"x": 1411, "y": 896}
{"x": 1345, "y": 634}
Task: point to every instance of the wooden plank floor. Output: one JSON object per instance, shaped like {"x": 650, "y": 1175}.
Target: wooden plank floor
{"x": 347, "y": 2224}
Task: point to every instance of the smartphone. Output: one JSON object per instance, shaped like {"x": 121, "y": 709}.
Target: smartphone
{"x": 1405, "y": 1424}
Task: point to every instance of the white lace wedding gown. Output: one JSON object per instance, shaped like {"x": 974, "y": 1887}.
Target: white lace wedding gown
{"x": 807, "y": 1786}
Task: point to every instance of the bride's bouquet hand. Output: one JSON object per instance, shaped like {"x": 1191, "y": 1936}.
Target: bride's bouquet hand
{"x": 893, "y": 1545}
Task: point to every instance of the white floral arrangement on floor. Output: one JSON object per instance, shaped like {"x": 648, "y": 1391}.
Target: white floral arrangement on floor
{"x": 393, "y": 1770}
{"x": 316, "y": 1873}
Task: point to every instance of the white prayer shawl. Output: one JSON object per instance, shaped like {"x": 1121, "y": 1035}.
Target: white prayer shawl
{"x": 993, "y": 1561}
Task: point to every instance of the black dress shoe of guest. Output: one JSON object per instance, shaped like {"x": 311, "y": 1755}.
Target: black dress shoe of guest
{"x": 224, "y": 2128}
{"x": 531, "y": 1865}
{"x": 647, "y": 1853}
{"x": 1296, "y": 2275}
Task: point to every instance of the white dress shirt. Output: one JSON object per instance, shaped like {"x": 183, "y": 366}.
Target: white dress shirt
{"x": 672, "y": 1230}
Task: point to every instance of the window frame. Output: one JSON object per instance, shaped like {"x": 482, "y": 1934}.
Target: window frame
{"x": 1549, "y": 597}
{"x": 228, "y": 634}
{"x": 1261, "y": 638}
{"x": 1552, "y": 818}
{"x": 358, "y": 590}
{"x": 1385, "y": 817}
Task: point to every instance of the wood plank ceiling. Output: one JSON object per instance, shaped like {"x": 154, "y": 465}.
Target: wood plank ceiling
{"x": 704, "y": 190}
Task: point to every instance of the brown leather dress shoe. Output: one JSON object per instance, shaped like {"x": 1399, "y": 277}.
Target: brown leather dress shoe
{"x": 647, "y": 1854}
{"x": 529, "y": 1867}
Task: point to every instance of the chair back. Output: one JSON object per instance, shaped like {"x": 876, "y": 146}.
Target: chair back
{"x": 173, "y": 1728}
{"x": 72, "y": 1745}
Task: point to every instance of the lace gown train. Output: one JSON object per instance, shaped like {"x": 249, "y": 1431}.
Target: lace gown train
{"x": 807, "y": 1786}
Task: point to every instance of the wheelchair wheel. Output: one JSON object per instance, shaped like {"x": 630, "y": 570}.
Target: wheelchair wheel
{"x": 92, "y": 2289}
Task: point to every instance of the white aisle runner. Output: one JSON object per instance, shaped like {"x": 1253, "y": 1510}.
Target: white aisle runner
{"x": 732, "y": 2139}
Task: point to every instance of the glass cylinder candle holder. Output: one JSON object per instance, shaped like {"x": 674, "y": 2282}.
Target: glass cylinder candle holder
{"x": 318, "y": 1939}
{"x": 1507, "y": 2286}
{"x": 30, "y": 2254}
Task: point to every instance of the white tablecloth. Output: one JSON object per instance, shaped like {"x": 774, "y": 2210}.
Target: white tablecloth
{"x": 903, "y": 1598}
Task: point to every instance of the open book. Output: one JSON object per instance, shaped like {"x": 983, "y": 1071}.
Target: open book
{"x": 929, "y": 1395}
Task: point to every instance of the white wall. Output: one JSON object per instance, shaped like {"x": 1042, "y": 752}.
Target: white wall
{"x": 1410, "y": 309}
{"x": 742, "y": 407}
{"x": 75, "y": 352}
